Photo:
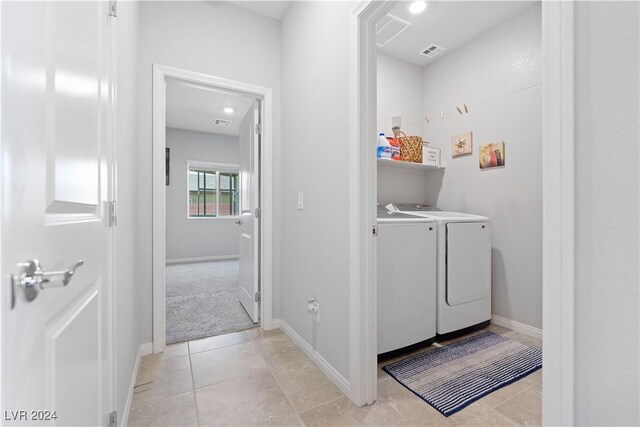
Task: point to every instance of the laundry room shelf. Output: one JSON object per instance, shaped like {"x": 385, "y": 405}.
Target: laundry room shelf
{"x": 397, "y": 164}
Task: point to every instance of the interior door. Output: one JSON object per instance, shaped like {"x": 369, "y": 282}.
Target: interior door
{"x": 56, "y": 175}
{"x": 468, "y": 262}
{"x": 247, "y": 221}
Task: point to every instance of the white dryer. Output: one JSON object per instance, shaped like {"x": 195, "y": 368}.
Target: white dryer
{"x": 407, "y": 275}
{"x": 464, "y": 268}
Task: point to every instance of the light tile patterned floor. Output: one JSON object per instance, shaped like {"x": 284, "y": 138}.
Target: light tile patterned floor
{"x": 255, "y": 378}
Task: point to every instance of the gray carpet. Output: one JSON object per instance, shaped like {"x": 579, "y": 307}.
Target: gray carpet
{"x": 202, "y": 301}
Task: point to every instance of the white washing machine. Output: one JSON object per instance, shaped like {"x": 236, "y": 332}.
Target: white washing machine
{"x": 464, "y": 267}
{"x": 407, "y": 274}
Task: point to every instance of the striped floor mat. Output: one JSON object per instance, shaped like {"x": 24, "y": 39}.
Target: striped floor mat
{"x": 454, "y": 376}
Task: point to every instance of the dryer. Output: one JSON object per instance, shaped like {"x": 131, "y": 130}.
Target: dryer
{"x": 463, "y": 268}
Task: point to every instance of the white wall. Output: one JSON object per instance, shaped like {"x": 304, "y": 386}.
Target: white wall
{"x": 606, "y": 295}
{"x": 126, "y": 233}
{"x": 498, "y": 76}
{"x": 315, "y": 160}
{"x": 400, "y": 93}
{"x": 202, "y": 237}
{"x": 215, "y": 38}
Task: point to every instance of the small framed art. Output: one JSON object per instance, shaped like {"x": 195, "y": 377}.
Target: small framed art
{"x": 461, "y": 144}
{"x": 491, "y": 155}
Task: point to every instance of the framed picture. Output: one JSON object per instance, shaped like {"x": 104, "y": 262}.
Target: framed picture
{"x": 167, "y": 158}
{"x": 491, "y": 155}
{"x": 461, "y": 144}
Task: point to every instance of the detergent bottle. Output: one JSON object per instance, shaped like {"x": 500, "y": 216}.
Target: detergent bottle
{"x": 384, "y": 147}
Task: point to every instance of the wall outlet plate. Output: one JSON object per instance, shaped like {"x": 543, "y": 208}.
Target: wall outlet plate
{"x": 314, "y": 309}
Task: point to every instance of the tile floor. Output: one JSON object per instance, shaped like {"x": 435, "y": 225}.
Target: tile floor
{"x": 255, "y": 378}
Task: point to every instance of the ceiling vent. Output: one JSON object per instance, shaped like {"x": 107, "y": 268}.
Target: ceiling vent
{"x": 388, "y": 27}
{"x": 222, "y": 122}
{"x": 432, "y": 50}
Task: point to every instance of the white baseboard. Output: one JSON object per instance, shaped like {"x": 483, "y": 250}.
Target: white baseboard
{"x": 516, "y": 326}
{"x": 143, "y": 350}
{"x": 324, "y": 366}
{"x": 146, "y": 349}
{"x": 200, "y": 259}
{"x": 275, "y": 324}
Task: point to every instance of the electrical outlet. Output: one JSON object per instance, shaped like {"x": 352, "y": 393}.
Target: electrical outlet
{"x": 300, "y": 200}
{"x": 314, "y": 309}
{"x": 316, "y": 312}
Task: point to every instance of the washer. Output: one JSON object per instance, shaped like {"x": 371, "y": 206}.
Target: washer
{"x": 407, "y": 274}
{"x": 464, "y": 268}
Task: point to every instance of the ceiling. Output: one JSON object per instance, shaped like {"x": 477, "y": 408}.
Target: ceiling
{"x": 271, "y": 9}
{"x": 195, "y": 108}
{"x": 449, "y": 24}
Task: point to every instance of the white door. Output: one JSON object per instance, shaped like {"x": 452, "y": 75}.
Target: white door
{"x": 55, "y": 157}
{"x": 248, "y": 223}
{"x": 468, "y": 262}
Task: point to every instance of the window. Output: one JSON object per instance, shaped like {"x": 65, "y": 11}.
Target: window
{"x": 213, "y": 190}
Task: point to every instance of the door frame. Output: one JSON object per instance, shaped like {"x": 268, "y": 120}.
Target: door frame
{"x": 363, "y": 194}
{"x": 3, "y": 298}
{"x": 162, "y": 73}
{"x": 558, "y": 206}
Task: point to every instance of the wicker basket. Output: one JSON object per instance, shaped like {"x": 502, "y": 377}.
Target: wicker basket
{"x": 410, "y": 147}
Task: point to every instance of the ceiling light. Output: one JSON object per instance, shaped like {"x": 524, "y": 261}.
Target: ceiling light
{"x": 228, "y": 110}
{"x": 418, "y": 6}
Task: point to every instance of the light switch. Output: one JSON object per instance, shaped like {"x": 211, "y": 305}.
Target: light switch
{"x": 300, "y": 200}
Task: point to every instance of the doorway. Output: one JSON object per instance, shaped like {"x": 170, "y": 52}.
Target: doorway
{"x": 556, "y": 212}
{"x": 209, "y": 148}
{"x": 211, "y": 206}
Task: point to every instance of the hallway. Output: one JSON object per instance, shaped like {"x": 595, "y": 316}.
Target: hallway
{"x": 252, "y": 377}
{"x": 258, "y": 377}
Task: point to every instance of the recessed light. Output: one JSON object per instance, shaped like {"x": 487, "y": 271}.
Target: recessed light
{"x": 228, "y": 110}
{"x": 418, "y": 6}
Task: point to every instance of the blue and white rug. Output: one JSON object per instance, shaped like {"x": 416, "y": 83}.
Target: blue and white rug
{"x": 454, "y": 376}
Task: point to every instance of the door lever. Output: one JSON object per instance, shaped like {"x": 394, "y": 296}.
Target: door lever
{"x": 31, "y": 279}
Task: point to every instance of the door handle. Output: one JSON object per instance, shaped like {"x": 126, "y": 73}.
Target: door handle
{"x": 32, "y": 278}
{"x": 239, "y": 221}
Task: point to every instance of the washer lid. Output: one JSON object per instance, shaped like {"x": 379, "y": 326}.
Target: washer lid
{"x": 443, "y": 217}
{"x": 435, "y": 213}
{"x": 386, "y": 216}
{"x": 417, "y": 207}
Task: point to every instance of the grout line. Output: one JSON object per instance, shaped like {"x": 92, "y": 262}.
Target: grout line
{"x": 325, "y": 403}
{"x": 264, "y": 359}
{"x": 219, "y": 348}
{"x": 249, "y": 335}
{"x": 257, "y": 351}
{"x": 256, "y": 339}
{"x": 515, "y": 395}
{"x": 221, "y": 382}
{"x": 193, "y": 387}
{"x": 387, "y": 377}
{"x": 141, "y": 384}
{"x": 515, "y": 422}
